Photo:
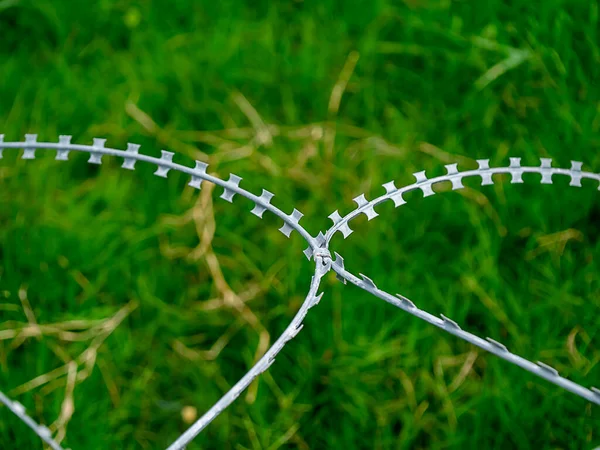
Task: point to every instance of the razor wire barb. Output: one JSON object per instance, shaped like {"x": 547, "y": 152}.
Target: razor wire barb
{"x": 318, "y": 251}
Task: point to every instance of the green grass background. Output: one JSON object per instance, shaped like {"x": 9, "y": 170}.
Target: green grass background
{"x": 251, "y": 87}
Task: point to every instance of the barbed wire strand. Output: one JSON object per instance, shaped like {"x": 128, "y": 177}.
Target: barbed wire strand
{"x": 486, "y": 173}
{"x": 539, "y": 368}
{"x": 164, "y": 164}
{"x": 19, "y": 410}
{"x": 515, "y": 170}
{"x": 318, "y": 250}
{"x": 322, "y": 267}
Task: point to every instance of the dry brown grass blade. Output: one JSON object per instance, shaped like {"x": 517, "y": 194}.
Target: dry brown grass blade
{"x": 87, "y": 358}
{"x": 202, "y": 214}
{"x": 262, "y": 132}
{"x": 335, "y": 99}
{"x": 68, "y": 405}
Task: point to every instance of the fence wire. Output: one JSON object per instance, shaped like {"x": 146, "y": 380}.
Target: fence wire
{"x": 318, "y": 250}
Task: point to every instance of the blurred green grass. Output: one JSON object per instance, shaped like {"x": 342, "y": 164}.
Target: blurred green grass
{"x": 317, "y": 102}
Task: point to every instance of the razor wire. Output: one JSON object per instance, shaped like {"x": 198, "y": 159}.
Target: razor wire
{"x": 318, "y": 251}
{"x": 42, "y": 431}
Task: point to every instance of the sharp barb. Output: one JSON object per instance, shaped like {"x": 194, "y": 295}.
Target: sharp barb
{"x": 200, "y": 169}
{"x": 516, "y": 172}
{"x": 1, "y": 149}
{"x": 451, "y": 169}
{"x": 546, "y": 163}
{"x": 595, "y": 391}
{"x": 286, "y": 229}
{"x": 576, "y": 166}
{"x": 233, "y": 181}
{"x": 368, "y": 281}
{"x": 449, "y": 322}
{"x": 483, "y": 164}
{"x": 457, "y": 183}
{"x": 339, "y": 262}
{"x": 422, "y": 183}
{"x": 129, "y": 163}
{"x": 258, "y": 210}
{"x": 265, "y": 197}
{"x": 455, "y": 178}
{"x": 292, "y": 221}
{"x": 548, "y": 368}
{"x": 227, "y": 195}
{"x": 320, "y": 239}
{"x": 408, "y": 303}
{"x": 29, "y": 150}
{"x": 427, "y": 190}
{"x": 195, "y": 182}
{"x": 420, "y": 177}
{"x": 296, "y": 216}
{"x": 390, "y": 187}
{"x": 360, "y": 200}
{"x": 317, "y": 299}
{"x": 295, "y": 331}
{"x": 308, "y": 252}
{"x": 576, "y": 175}
{"x": 345, "y": 230}
{"x": 335, "y": 217}
{"x": 99, "y": 143}
{"x": 398, "y": 199}
{"x": 497, "y": 344}
{"x": 484, "y": 167}
{"x": 370, "y": 213}
{"x": 63, "y": 154}
{"x": 166, "y": 158}
{"x": 96, "y": 158}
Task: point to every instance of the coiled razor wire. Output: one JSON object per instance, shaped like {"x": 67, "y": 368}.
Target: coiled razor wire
{"x": 317, "y": 250}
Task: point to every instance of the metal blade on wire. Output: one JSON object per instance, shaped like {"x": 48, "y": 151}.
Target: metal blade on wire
{"x": 540, "y": 369}
{"x": 165, "y": 164}
{"x": 19, "y": 410}
{"x": 198, "y": 174}
{"x": 484, "y": 171}
{"x": 262, "y": 365}
{"x": 318, "y": 249}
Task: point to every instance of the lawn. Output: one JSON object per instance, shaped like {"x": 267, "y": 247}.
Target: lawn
{"x": 130, "y": 303}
